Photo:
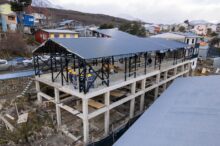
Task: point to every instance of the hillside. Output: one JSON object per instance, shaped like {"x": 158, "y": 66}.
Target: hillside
{"x": 85, "y": 18}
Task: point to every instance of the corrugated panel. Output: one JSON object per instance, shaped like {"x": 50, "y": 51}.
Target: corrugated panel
{"x": 186, "y": 114}
{"x": 88, "y": 48}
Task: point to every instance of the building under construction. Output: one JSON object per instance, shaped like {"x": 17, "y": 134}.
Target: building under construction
{"x": 98, "y": 85}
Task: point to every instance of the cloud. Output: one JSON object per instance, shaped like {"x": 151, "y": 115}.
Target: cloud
{"x": 157, "y": 11}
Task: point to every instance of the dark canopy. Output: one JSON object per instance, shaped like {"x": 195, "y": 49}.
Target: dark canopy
{"x": 89, "y": 48}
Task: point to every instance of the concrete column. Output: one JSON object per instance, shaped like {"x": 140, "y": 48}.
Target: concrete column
{"x": 58, "y": 111}
{"x": 107, "y": 113}
{"x": 132, "y": 102}
{"x": 156, "y": 92}
{"x": 39, "y": 98}
{"x": 175, "y": 71}
{"x": 85, "y": 121}
{"x": 165, "y": 78}
{"x": 182, "y": 68}
{"x": 143, "y": 83}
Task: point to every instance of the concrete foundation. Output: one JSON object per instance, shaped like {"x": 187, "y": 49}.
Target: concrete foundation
{"x": 102, "y": 102}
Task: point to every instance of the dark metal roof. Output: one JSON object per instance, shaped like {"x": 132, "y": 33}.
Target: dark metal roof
{"x": 88, "y": 48}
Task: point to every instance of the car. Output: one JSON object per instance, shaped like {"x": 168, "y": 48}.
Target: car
{"x": 28, "y": 61}
{"x": 18, "y": 60}
{"x": 4, "y": 65}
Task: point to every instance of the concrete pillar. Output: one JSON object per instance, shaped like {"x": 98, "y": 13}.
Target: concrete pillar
{"x": 182, "y": 68}
{"x": 85, "y": 121}
{"x": 132, "y": 102}
{"x": 156, "y": 91}
{"x": 165, "y": 78}
{"x": 175, "y": 71}
{"x": 143, "y": 83}
{"x": 39, "y": 98}
{"x": 107, "y": 113}
{"x": 58, "y": 111}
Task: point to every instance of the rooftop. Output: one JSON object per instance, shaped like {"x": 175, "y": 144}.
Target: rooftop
{"x": 58, "y": 31}
{"x": 187, "y": 113}
{"x": 175, "y": 35}
{"x": 106, "y": 47}
{"x": 115, "y": 33}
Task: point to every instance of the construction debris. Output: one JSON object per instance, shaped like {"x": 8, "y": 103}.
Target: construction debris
{"x": 7, "y": 124}
{"x": 9, "y": 116}
{"x": 217, "y": 70}
{"x": 22, "y": 118}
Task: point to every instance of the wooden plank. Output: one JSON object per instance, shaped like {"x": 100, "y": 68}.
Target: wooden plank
{"x": 117, "y": 93}
{"x": 95, "y": 104}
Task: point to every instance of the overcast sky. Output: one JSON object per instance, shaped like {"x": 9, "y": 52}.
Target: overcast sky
{"x": 157, "y": 11}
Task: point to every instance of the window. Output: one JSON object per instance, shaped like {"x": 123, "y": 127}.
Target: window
{"x": 51, "y": 35}
{"x": 76, "y": 36}
{"x": 11, "y": 18}
{"x": 187, "y": 41}
{"x": 44, "y": 36}
{"x": 192, "y": 41}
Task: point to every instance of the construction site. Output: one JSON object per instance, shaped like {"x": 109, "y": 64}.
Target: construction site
{"x": 109, "y": 88}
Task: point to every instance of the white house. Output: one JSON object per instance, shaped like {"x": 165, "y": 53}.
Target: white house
{"x": 152, "y": 28}
{"x": 200, "y": 29}
{"x": 188, "y": 38}
{"x": 39, "y": 18}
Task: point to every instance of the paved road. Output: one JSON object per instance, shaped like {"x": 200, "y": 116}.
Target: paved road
{"x": 19, "y": 74}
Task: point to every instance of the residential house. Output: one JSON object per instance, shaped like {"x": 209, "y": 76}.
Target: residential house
{"x": 200, "y": 29}
{"x": 152, "y": 28}
{"x": 28, "y": 22}
{"x": 165, "y": 28}
{"x": 188, "y": 38}
{"x": 8, "y": 19}
{"x": 39, "y": 19}
{"x": 203, "y": 50}
{"x": 70, "y": 24}
{"x": 185, "y": 25}
{"x": 45, "y": 34}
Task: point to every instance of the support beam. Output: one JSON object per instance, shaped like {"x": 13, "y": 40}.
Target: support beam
{"x": 107, "y": 113}
{"x": 156, "y": 91}
{"x": 165, "y": 78}
{"x": 143, "y": 83}
{"x": 39, "y": 98}
{"x": 132, "y": 102}
{"x": 85, "y": 122}
{"x": 175, "y": 71}
{"x": 130, "y": 97}
{"x": 58, "y": 111}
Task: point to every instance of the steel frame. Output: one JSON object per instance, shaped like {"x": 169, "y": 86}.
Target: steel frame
{"x": 132, "y": 63}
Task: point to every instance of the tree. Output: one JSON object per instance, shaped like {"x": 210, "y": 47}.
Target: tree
{"x": 18, "y": 6}
{"x": 213, "y": 34}
{"x": 186, "y": 22}
{"x": 215, "y": 41}
{"x": 209, "y": 31}
{"x": 182, "y": 29}
{"x": 7, "y": 48}
{"x": 106, "y": 26}
{"x": 134, "y": 28}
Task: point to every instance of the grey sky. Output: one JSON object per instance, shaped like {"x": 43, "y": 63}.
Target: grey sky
{"x": 157, "y": 11}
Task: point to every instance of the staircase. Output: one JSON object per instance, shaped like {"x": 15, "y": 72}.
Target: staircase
{"x": 26, "y": 89}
